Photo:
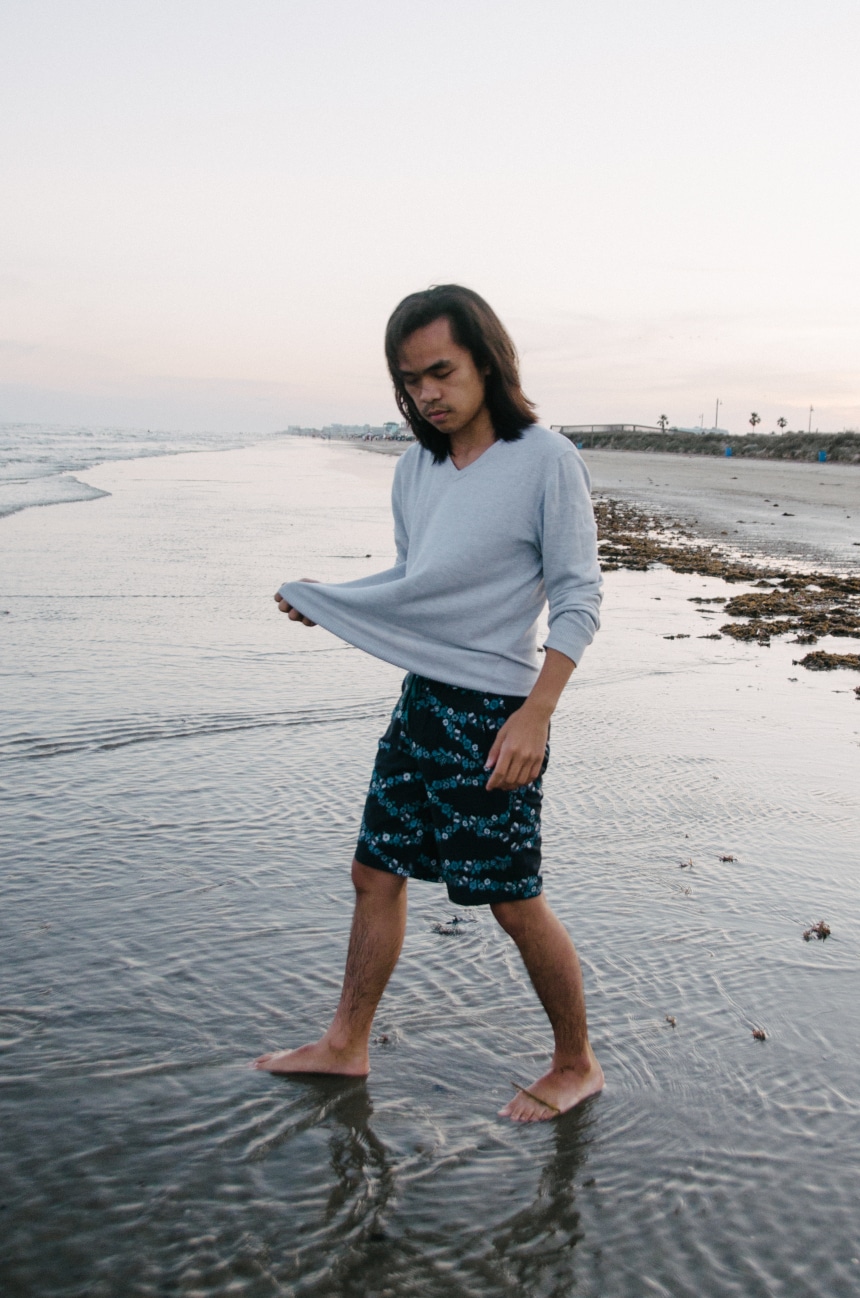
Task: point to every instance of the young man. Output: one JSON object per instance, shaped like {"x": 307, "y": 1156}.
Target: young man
{"x": 492, "y": 518}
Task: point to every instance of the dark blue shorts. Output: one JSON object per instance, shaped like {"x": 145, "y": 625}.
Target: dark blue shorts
{"x": 428, "y": 813}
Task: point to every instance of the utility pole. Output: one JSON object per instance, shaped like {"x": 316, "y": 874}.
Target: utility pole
{"x": 811, "y": 408}
{"x": 717, "y": 416}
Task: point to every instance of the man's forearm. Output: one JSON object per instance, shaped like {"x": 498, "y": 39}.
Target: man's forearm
{"x": 547, "y": 689}
{"x": 518, "y": 749}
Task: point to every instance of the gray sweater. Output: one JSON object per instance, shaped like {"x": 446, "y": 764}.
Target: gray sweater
{"x": 480, "y": 550}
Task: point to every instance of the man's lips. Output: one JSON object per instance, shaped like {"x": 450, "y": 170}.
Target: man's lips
{"x": 436, "y": 415}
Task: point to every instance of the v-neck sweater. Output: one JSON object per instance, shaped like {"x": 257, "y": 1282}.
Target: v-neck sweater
{"x": 480, "y": 552}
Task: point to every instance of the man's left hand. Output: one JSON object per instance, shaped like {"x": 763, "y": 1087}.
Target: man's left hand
{"x": 518, "y": 750}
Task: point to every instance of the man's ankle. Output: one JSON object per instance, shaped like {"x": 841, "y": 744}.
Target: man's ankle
{"x": 580, "y": 1061}
{"x": 343, "y": 1043}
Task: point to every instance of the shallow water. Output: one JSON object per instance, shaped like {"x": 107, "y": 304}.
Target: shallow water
{"x": 182, "y": 772}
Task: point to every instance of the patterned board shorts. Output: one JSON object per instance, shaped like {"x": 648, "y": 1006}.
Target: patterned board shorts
{"x": 428, "y": 813}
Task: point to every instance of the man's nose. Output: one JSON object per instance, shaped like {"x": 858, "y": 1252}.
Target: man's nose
{"x": 430, "y": 390}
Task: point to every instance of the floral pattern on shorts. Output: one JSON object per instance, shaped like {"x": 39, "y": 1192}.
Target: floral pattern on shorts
{"x": 428, "y": 813}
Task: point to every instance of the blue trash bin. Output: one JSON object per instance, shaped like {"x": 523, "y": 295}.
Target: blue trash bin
{"x": 822, "y": 456}
{"x": 728, "y": 450}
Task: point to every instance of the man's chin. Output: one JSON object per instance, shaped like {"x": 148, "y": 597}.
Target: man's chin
{"x": 444, "y": 427}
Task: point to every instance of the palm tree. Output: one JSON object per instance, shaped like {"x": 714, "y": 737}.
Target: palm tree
{"x": 781, "y": 423}
{"x": 755, "y": 419}
{"x": 663, "y": 422}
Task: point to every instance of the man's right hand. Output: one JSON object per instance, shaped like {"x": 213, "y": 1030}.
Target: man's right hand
{"x": 291, "y": 610}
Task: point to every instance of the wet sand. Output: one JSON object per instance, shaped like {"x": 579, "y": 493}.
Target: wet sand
{"x": 182, "y": 772}
{"x": 773, "y": 508}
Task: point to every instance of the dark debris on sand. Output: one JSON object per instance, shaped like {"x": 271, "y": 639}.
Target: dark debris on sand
{"x": 822, "y": 662}
{"x": 454, "y": 927}
{"x": 820, "y": 931}
{"x": 807, "y": 605}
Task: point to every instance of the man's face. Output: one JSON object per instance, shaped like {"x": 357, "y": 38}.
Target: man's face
{"x": 441, "y": 377}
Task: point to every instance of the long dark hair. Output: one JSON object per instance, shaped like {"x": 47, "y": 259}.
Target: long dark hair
{"x": 475, "y": 326}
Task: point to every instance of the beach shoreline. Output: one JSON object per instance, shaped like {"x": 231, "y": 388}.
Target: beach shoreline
{"x": 761, "y": 510}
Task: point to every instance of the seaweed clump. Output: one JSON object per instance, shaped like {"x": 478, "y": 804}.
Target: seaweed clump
{"x": 810, "y": 606}
{"x": 822, "y": 662}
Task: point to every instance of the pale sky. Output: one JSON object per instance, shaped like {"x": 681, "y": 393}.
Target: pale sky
{"x": 210, "y": 208}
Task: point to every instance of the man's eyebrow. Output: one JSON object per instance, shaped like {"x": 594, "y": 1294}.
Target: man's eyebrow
{"x": 437, "y": 365}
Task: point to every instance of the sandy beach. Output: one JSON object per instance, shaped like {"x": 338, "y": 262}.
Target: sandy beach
{"x": 767, "y": 508}
{"x": 182, "y": 772}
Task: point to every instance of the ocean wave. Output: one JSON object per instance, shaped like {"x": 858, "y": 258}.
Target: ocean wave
{"x": 50, "y": 489}
{"x": 38, "y": 461}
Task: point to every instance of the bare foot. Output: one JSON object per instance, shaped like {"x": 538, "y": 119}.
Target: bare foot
{"x": 553, "y": 1094}
{"x": 321, "y": 1057}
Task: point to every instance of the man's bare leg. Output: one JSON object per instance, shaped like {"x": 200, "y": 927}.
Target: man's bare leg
{"x": 378, "y": 926}
{"x": 553, "y": 966}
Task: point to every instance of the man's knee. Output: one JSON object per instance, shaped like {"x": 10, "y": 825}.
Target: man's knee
{"x": 517, "y": 917}
{"x": 376, "y": 883}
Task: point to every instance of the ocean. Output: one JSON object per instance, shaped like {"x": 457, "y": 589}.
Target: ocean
{"x": 39, "y": 463}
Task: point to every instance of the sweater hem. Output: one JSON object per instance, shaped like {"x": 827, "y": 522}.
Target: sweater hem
{"x": 434, "y": 668}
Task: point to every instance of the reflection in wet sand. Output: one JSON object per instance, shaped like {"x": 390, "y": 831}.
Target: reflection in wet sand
{"x": 360, "y": 1246}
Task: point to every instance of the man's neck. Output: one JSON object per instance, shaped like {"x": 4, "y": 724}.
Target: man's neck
{"x": 469, "y": 443}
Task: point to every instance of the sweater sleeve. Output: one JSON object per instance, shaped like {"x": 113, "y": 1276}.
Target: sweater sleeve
{"x": 571, "y": 571}
{"x": 401, "y": 532}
